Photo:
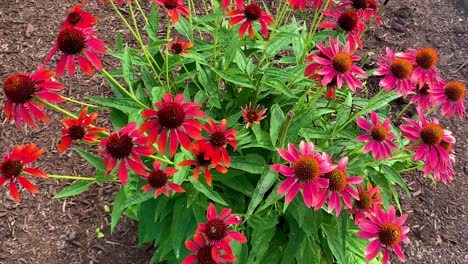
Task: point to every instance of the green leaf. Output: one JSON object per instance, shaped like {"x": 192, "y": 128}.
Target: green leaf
{"x": 264, "y": 184}
{"x": 336, "y": 237}
{"x": 138, "y": 198}
{"x": 394, "y": 177}
{"x": 118, "y": 208}
{"x": 280, "y": 87}
{"x": 74, "y": 189}
{"x": 119, "y": 119}
{"x": 276, "y": 120}
{"x": 127, "y": 68}
{"x": 236, "y": 77}
{"x": 95, "y": 161}
{"x": 118, "y": 42}
{"x": 208, "y": 192}
{"x": 252, "y": 163}
{"x": 295, "y": 237}
{"x": 123, "y": 104}
{"x": 182, "y": 222}
{"x": 264, "y": 228}
{"x": 153, "y": 23}
{"x": 182, "y": 26}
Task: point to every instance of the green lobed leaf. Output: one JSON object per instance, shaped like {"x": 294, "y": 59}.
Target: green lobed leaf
{"x": 74, "y": 189}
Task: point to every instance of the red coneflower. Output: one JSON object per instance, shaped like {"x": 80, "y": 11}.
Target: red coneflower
{"x": 249, "y": 13}
{"x": 349, "y": 21}
{"x": 450, "y": 96}
{"x": 253, "y": 116}
{"x": 81, "y": 43}
{"x": 125, "y": 146}
{"x": 20, "y": 91}
{"x": 158, "y": 180}
{"x": 204, "y": 251}
{"x": 173, "y": 8}
{"x": 200, "y": 161}
{"x": 13, "y": 167}
{"x": 216, "y": 229}
{"x": 79, "y": 129}
{"x": 79, "y": 18}
{"x": 225, "y": 4}
{"x": 215, "y": 145}
{"x": 172, "y": 119}
{"x": 177, "y": 47}
{"x": 369, "y": 199}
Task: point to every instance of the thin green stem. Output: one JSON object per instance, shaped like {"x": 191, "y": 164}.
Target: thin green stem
{"x": 168, "y": 35}
{"x": 79, "y": 178}
{"x": 403, "y": 110}
{"x": 163, "y": 159}
{"x": 81, "y": 103}
{"x": 141, "y": 11}
{"x": 56, "y": 108}
{"x": 116, "y": 83}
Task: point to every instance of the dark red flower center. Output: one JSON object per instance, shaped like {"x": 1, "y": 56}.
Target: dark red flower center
{"x": 447, "y": 146}
{"x": 119, "y": 146}
{"x": 157, "y": 179}
{"x": 431, "y": 134}
{"x": 252, "y": 12}
{"x": 307, "y": 168}
{"x": 73, "y": 18}
{"x": 215, "y": 230}
{"x": 19, "y": 88}
{"x": 336, "y": 180}
{"x": 218, "y": 139}
{"x": 342, "y": 62}
{"x": 201, "y": 161}
{"x": 204, "y": 255}
{"x": 365, "y": 201}
{"x": 427, "y": 58}
{"x": 455, "y": 91}
{"x": 76, "y": 132}
{"x": 401, "y": 68}
{"x": 176, "y": 48}
{"x": 71, "y": 41}
{"x": 171, "y": 115}
{"x": 389, "y": 234}
{"x": 379, "y": 133}
{"x": 171, "y": 4}
{"x": 424, "y": 90}
{"x": 348, "y": 20}
{"x": 11, "y": 168}
{"x": 359, "y": 4}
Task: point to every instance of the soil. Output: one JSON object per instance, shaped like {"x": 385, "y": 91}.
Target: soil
{"x": 45, "y": 230}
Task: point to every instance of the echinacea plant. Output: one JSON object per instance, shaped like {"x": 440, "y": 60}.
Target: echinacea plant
{"x": 273, "y": 109}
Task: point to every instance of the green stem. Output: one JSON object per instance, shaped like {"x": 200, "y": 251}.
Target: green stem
{"x": 79, "y": 178}
{"x": 431, "y": 110}
{"x": 116, "y": 83}
{"x": 56, "y": 108}
{"x": 168, "y": 35}
{"x": 81, "y": 103}
{"x": 410, "y": 169}
{"x": 403, "y": 110}
{"x": 141, "y": 11}
{"x": 161, "y": 159}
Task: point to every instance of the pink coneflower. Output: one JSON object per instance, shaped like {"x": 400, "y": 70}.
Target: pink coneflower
{"x": 349, "y": 21}
{"x": 379, "y": 137}
{"x": 339, "y": 64}
{"x": 422, "y": 98}
{"x": 397, "y": 72}
{"x": 79, "y": 129}
{"x": 216, "y": 229}
{"x": 450, "y": 96}
{"x": 429, "y": 135}
{"x": 311, "y": 69}
{"x": 365, "y": 8}
{"x": 298, "y": 4}
{"x": 253, "y": 116}
{"x": 81, "y": 43}
{"x": 304, "y": 172}
{"x": 13, "y": 167}
{"x": 79, "y": 18}
{"x": 204, "y": 252}
{"x": 20, "y": 91}
{"x": 338, "y": 183}
{"x": 369, "y": 199}
{"x": 172, "y": 121}
{"x": 388, "y": 231}
{"x": 442, "y": 170}
{"x": 125, "y": 146}
{"x": 250, "y": 13}
{"x": 178, "y": 47}
{"x": 158, "y": 180}
{"x": 215, "y": 144}
{"x": 425, "y": 59}
{"x": 173, "y": 8}
{"x": 200, "y": 161}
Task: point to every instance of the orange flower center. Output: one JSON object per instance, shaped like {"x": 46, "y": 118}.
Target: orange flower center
{"x": 119, "y": 146}
{"x": 307, "y": 168}
{"x": 73, "y": 18}
{"x": 76, "y": 132}
{"x": 337, "y": 180}
{"x": 379, "y": 133}
{"x": 348, "y": 20}
{"x": 171, "y": 115}
{"x": 157, "y": 179}
{"x": 424, "y": 90}
{"x": 71, "y": 41}
{"x": 170, "y": 4}
{"x": 447, "y": 146}
{"x": 455, "y": 91}
{"x": 215, "y": 229}
{"x": 431, "y": 134}
{"x": 389, "y": 234}
{"x": 218, "y": 139}
{"x": 204, "y": 255}
{"x": 176, "y": 48}
{"x": 401, "y": 68}
{"x": 365, "y": 201}
{"x": 19, "y": 88}
{"x": 11, "y": 168}
{"x": 342, "y": 62}
{"x": 427, "y": 58}
{"x": 252, "y": 12}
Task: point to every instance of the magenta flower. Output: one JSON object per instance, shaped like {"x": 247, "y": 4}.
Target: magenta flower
{"x": 423, "y": 97}
{"x": 339, "y": 63}
{"x": 350, "y": 22}
{"x": 397, "y": 72}
{"x": 379, "y": 138}
{"x": 338, "y": 183}
{"x": 442, "y": 170}
{"x": 369, "y": 199}
{"x": 425, "y": 60}
{"x": 304, "y": 173}
{"x": 388, "y": 231}
{"x": 204, "y": 252}
{"x": 158, "y": 180}
{"x": 450, "y": 96}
